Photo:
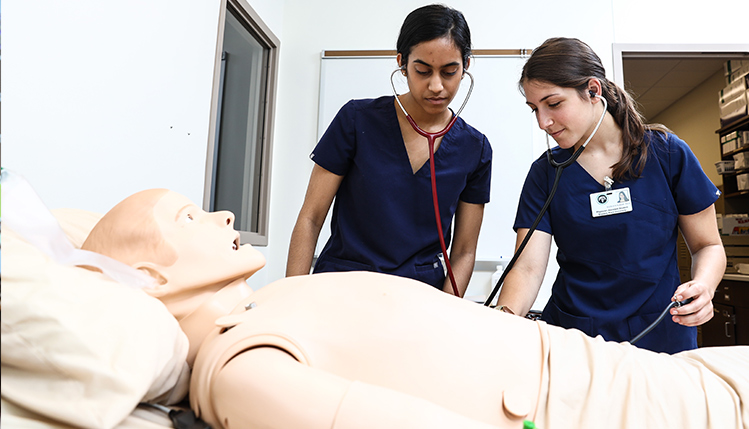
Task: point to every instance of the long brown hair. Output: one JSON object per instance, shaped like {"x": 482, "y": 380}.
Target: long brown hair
{"x": 570, "y": 63}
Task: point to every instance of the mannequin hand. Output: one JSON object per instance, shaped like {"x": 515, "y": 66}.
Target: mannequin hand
{"x": 697, "y": 312}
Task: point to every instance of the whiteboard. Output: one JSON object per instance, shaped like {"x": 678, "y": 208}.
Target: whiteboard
{"x": 495, "y": 108}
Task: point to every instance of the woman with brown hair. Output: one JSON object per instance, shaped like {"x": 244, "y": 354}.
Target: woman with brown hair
{"x": 617, "y": 260}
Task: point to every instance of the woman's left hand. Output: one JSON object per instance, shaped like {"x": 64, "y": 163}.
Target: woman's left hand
{"x": 697, "y": 312}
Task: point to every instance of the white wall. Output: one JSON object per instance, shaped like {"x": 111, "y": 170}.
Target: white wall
{"x": 344, "y": 24}
{"x": 108, "y": 98}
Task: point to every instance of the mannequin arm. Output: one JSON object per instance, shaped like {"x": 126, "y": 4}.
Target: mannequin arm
{"x": 266, "y": 387}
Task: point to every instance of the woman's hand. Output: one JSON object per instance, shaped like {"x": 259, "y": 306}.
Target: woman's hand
{"x": 697, "y": 312}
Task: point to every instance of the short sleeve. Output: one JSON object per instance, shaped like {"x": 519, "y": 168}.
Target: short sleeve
{"x": 691, "y": 188}
{"x": 478, "y": 186}
{"x": 337, "y": 147}
{"x": 533, "y": 197}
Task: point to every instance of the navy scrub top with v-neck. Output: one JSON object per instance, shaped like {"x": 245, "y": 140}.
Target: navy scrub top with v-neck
{"x": 617, "y": 273}
{"x": 383, "y": 215}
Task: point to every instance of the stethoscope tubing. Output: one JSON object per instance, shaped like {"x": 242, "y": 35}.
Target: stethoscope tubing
{"x": 559, "y": 166}
{"x": 431, "y": 137}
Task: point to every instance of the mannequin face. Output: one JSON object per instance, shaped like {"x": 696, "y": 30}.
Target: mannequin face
{"x": 207, "y": 246}
{"x": 191, "y": 253}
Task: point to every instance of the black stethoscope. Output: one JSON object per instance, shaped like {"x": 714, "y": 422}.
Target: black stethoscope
{"x": 431, "y": 137}
{"x": 559, "y": 166}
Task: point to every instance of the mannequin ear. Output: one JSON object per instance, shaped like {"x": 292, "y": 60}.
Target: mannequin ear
{"x": 154, "y": 271}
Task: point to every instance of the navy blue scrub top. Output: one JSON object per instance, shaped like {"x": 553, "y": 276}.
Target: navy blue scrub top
{"x": 383, "y": 215}
{"x": 617, "y": 273}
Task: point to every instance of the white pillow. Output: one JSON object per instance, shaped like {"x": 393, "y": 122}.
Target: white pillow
{"x": 78, "y": 347}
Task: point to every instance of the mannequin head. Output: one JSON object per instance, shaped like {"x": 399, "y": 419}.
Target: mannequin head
{"x": 191, "y": 253}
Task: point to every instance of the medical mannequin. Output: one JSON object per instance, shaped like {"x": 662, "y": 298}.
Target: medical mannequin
{"x": 363, "y": 350}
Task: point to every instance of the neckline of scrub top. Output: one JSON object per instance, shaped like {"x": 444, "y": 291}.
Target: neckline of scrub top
{"x": 590, "y": 176}
{"x": 402, "y": 143}
{"x": 577, "y": 164}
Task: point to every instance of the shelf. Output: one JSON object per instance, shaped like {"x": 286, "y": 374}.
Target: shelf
{"x": 733, "y": 152}
{"x": 733, "y": 126}
{"x": 731, "y": 173}
{"x": 737, "y": 277}
{"x": 735, "y": 240}
{"x": 736, "y": 194}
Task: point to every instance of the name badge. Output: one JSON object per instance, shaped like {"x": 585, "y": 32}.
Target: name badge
{"x": 611, "y": 202}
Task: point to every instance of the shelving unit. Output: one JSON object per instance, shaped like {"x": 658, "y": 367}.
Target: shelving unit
{"x": 730, "y": 322}
{"x": 737, "y": 201}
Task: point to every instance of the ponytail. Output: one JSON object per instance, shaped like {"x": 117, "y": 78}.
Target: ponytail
{"x": 635, "y": 143}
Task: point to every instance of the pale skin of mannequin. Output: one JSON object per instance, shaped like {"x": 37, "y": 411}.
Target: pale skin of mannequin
{"x": 366, "y": 351}
{"x": 578, "y": 119}
{"x": 433, "y": 72}
{"x": 207, "y": 281}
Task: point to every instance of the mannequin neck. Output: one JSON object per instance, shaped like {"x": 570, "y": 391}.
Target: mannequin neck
{"x": 198, "y": 324}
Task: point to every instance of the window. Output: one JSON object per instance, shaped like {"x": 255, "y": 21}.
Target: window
{"x": 238, "y": 176}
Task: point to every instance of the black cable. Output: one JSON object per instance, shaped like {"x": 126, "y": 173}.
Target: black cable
{"x": 559, "y": 168}
{"x": 658, "y": 320}
{"x": 653, "y": 325}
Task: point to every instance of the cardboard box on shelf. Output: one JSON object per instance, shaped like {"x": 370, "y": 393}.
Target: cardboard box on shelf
{"x": 730, "y": 136}
{"x": 729, "y": 146}
{"x": 742, "y": 182}
{"x": 734, "y": 89}
{"x": 734, "y": 108}
{"x": 731, "y": 66}
{"x": 741, "y": 160}
{"x": 738, "y": 74}
{"x": 735, "y": 224}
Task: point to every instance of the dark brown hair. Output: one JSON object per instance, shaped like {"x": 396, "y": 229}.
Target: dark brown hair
{"x": 434, "y": 22}
{"x": 570, "y": 63}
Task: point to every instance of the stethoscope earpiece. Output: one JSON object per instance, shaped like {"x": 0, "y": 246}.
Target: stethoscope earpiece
{"x": 430, "y": 142}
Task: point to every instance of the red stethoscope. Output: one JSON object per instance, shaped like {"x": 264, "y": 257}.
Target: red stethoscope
{"x": 431, "y": 137}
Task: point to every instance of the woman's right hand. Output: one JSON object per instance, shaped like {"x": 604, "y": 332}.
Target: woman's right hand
{"x": 524, "y": 279}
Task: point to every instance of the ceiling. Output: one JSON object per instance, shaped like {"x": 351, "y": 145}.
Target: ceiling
{"x": 656, "y": 83}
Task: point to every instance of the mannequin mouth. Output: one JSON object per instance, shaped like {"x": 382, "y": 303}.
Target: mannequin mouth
{"x": 235, "y": 244}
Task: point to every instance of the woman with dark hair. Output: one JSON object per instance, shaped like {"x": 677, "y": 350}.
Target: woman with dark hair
{"x": 617, "y": 269}
{"x": 376, "y": 166}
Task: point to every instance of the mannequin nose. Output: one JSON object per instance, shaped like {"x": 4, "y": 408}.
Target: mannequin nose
{"x": 224, "y": 217}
